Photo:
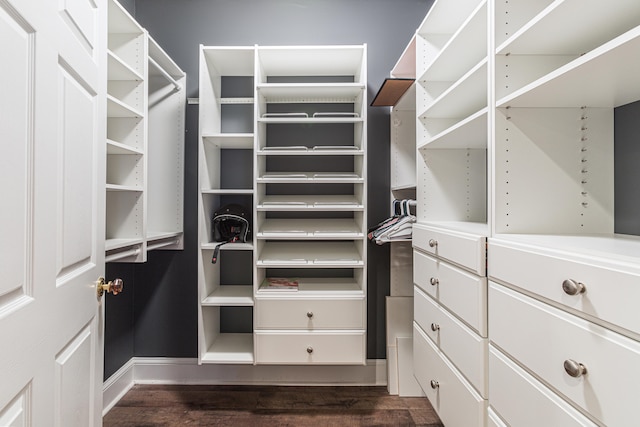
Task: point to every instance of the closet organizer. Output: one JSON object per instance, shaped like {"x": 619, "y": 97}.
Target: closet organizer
{"x": 283, "y": 131}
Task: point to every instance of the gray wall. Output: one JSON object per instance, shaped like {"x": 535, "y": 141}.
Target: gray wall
{"x": 627, "y": 169}
{"x": 158, "y": 315}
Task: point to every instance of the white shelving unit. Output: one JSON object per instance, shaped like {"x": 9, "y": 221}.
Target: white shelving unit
{"x": 219, "y": 342}
{"x": 145, "y": 142}
{"x": 525, "y": 161}
{"x": 310, "y": 218}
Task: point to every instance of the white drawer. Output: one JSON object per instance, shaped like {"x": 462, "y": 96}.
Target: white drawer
{"x": 317, "y": 348}
{"x": 309, "y": 313}
{"x": 465, "y": 349}
{"x": 465, "y": 249}
{"x": 542, "y": 338}
{"x": 454, "y": 399}
{"x": 465, "y": 294}
{"x": 536, "y": 404}
{"x": 611, "y": 293}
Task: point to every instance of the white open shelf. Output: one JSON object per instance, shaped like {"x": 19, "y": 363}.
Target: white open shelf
{"x": 309, "y": 177}
{"x": 117, "y": 108}
{"x": 230, "y": 348}
{"x": 313, "y": 151}
{"x": 118, "y": 69}
{"x": 596, "y": 79}
{"x": 315, "y": 286}
{"x": 307, "y": 254}
{"x": 231, "y": 140}
{"x": 470, "y": 37}
{"x": 310, "y": 120}
{"x": 468, "y": 133}
{"x": 318, "y": 202}
{"x": 310, "y": 92}
{"x": 557, "y": 30}
{"x": 114, "y": 147}
{"x": 237, "y": 295}
{"x": 465, "y": 97}
{"x": 294, "y": 229}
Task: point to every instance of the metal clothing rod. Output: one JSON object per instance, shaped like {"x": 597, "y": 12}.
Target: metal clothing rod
{"x": 121, "y": 255}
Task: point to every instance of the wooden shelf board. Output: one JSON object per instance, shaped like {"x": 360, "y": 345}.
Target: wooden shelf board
{"x": 391, "y": 90}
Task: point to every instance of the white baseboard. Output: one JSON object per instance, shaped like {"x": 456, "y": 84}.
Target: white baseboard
{"x": 162, "y": 370}
{"x": 117, "y": 385}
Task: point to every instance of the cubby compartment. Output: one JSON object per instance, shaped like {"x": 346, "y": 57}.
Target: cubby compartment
{"x": 125, "y": 170}
{"x": 225, "y": 336}
{"x": 229, "y": 281}
{"x": 212, "y": 202}
{"x": 225, "y": 168}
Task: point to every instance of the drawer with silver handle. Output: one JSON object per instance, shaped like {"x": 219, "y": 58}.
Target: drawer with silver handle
{"x": 594, "y": 367}
{"x": 464, "y": 249}
{"x": 310, "y": 313}
{"x": 321, "y": 348}
{"x": 605, "y": 292}
{"x": 453, "y": 398}
{"x": 463, "y": 293}
{"x": 466, "y": 350}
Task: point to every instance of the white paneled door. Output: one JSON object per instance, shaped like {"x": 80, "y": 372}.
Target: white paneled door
{"x": 52, "y": 130}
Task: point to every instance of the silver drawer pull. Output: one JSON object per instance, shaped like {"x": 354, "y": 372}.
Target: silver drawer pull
{"x": 571, "y": 287}
{"x": 434, "y": 281}
{"x": 309, "y": 314}
{"x": 433, "y": 243}
{"x": 309, "y": 349}
{"x": 574, "y": 369}
{"x": 434, "y": 384}
{"x": 435, "y": 327}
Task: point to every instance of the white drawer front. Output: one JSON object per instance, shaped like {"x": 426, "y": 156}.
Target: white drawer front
{"x": 455, "y": 401}
{"x": 542, "y": 338}
{"x": 465, "y": 349}
{"x": 309, "y": 313}
{"x": 310, "y": 348}
{"x": 464, "y": 249}
{"x": 610, "y": 295}
{"x": 535, "y": 406}
{"x": 465, "y": 294}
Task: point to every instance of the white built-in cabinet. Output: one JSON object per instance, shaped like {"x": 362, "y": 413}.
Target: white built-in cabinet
{"x": 525, "y": 297}
{"x": 283, "y": 132}
{"x": 145, "y": 143}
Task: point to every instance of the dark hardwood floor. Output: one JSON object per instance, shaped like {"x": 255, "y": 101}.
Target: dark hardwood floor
{"x": 164, "y": 405}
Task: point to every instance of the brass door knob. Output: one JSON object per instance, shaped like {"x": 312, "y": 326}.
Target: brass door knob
{"x": 114, "y": 286}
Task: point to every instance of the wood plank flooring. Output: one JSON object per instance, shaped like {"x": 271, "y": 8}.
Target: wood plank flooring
{"x": 168, "y": 405}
